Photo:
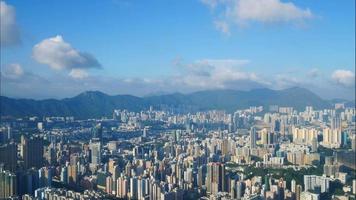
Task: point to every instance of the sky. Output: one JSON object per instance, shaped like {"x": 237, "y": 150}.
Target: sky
{"x": 60, "y": 48}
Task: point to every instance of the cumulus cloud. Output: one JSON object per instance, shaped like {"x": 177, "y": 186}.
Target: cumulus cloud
{"x": 345, "y": 78}
{"x": 13, "y": 71}
{"x": 60, "y": 55}
{"x": 78, "y": 74}
{"x": 217, "y": 73}
{"x": 9, "y": 31}
{"x": 313, "y": 73}
{"x": 241, "y": 12}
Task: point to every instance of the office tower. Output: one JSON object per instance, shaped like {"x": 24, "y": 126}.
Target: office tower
{"x": 253, "y": 137}
{"x": 95, "y": 149}
{"x": 8, "y": 156}
{"x": 32, "y": 152}
{"x": 215, "y": 178}
{"x": 8, "y": 184}
{"x": 98, "y": 132}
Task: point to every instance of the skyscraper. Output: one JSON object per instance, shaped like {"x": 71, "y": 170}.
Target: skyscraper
{"x": 98, "y": 132}
{"x": 32, "y": 152}
{"x": 215, "y": 180}
{"x": 95, "y": 149}
{"x": 8, "y": 156}
{"x": 253, "y": 137}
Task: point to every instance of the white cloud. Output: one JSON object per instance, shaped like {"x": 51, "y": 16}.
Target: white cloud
{"x": 344, "y": 77}
{"x": 9, "y": 32}
{"x": 13, "y": 71}
{"x": 216, "y": 73}
{"x": 268, "y": 11}
{"x": 313, "y": 73}
{"x": 78, "y": 74}
{"x": 59, "y": 55}
{"x": 241, "y": 12}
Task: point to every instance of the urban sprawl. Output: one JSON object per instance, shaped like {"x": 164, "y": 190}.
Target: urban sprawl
{"x": 160, "y": 154}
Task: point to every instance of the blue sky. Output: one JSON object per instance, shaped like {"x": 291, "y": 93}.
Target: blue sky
{"x": 56, "y": 49}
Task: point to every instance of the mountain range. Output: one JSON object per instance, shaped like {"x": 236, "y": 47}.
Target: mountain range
{"x": 93, "y": 104}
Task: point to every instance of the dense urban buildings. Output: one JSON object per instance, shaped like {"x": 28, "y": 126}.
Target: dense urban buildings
{"x": 255, "y": 153}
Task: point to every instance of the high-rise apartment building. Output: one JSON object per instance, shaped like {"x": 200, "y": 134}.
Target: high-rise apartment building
{"x": 215, "y": 180}
{"x": 8, "y": 184}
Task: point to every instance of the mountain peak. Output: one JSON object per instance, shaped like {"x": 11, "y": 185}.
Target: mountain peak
{"x": 92, "y": 93}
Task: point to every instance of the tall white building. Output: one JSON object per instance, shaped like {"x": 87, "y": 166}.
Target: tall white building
{"x": 95, "y": 148}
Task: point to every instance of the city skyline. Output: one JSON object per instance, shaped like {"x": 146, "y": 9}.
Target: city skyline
{"x": 177, "y": 100}
{"x": 130, "y": 47}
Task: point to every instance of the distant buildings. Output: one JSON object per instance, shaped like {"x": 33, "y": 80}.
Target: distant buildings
{"x": 247, "y": 154}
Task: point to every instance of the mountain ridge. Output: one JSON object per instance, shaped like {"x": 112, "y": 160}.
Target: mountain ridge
{"x": 92, "y": 104}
